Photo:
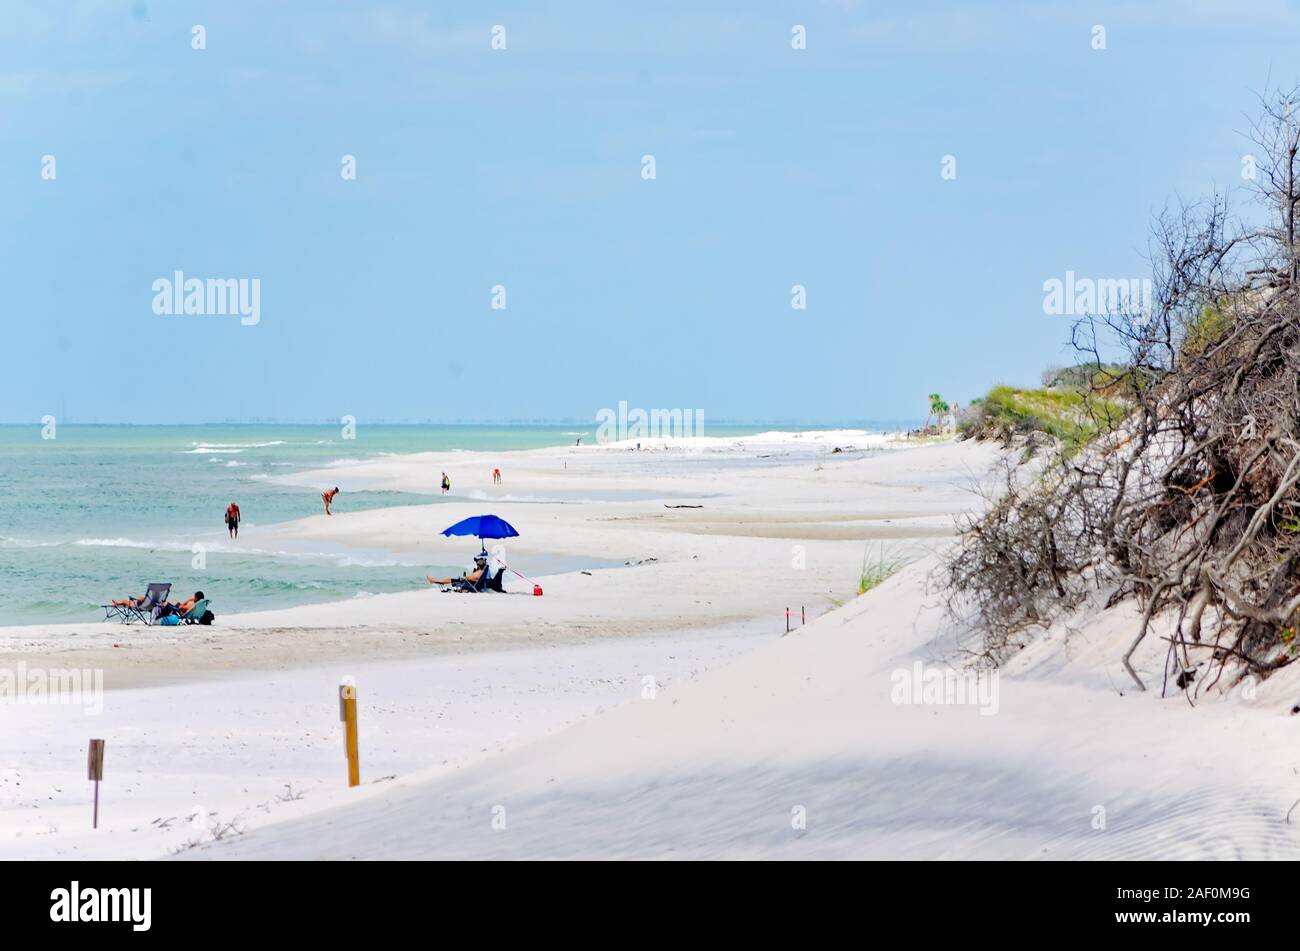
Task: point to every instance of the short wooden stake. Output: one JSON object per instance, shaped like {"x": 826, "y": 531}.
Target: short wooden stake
{"x": 95, "y": 769}
{"x": 348, "y": 714}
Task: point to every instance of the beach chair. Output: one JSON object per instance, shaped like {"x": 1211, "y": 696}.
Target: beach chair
{"x": 463, "y": 585}
{"x": 155, "y": 595}
{"x": 154, "y": 598}
{"x": 489, "y": 582}
{"x": 114, "y": 612}
{"x": 193, "y": 615}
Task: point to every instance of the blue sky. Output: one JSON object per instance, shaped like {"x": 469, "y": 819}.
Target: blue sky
{"x": 522, "y": 167}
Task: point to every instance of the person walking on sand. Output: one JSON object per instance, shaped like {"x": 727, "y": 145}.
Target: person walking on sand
{"x": 328, "y": 497}
{"x": 496, "y": 476}
{"x": 446, "y": 484}
{"x": 232, "y": 519}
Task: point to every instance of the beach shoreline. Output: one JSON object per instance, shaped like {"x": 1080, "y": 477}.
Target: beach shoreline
{"x": 154, "y": 514}
{"x": 624, "y": 556}
{"x": 790, "y": 533}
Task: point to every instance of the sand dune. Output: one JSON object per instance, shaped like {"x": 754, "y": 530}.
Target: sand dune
{"x": 796, "y": 750}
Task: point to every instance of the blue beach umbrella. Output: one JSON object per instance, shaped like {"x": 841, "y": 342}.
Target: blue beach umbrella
{"x": 482, "y": 526}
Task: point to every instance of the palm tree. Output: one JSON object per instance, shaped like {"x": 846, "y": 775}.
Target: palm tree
{"x": 938, "y": 409}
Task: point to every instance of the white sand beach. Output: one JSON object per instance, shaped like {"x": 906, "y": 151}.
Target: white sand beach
{"x": 649, "y": 706}
{"x": 653, "y": 568}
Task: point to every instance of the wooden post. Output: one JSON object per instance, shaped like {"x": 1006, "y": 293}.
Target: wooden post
{"x": 787, "y": 620}
{"x": 348, "y": 714}
{"x": 803, "y": 616}
{"x": 95, "y": 769}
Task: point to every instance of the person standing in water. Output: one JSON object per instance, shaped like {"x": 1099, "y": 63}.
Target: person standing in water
{"x": 232, "y": 519}
{"x": 446, "y": 484}
{"x": 328, "y": 497}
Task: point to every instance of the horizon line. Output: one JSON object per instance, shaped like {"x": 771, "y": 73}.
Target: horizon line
{"x": 808, "y": 424}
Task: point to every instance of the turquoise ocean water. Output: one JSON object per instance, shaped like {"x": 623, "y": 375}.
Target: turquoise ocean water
{"x": 99, "y": 511}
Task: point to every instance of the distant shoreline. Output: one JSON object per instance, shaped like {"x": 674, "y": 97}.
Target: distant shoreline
{"x": 590, "y": 424}
{"x": 80, "y": 558}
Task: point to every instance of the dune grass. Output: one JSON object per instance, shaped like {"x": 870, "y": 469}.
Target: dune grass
{"x": 875, "y": 572}
{"x": 1066, "y": 413}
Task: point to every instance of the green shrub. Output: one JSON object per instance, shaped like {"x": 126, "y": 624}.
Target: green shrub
{"x": 1068, "y": 414}
{"x": 1208, "y": 327}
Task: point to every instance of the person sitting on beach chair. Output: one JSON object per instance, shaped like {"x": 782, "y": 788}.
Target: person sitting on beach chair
{"x": 130, "y": 609}
{"x": 184, "y": 607}
{"x": 150, "y": 600}
{"x": 471, "y": 579}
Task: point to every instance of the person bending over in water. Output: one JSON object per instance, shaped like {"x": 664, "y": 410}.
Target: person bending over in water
{"x": 232, "y": 519}
{"x": 480, "y": 566}
{"x": 328, "y": 497}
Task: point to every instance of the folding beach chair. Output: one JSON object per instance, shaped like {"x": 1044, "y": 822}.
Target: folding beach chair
{"x": 156, "y": 594}
{"x": 487, "y": 582}
{"x": 114, "y": 612}
{"x": 193, "y": 615}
